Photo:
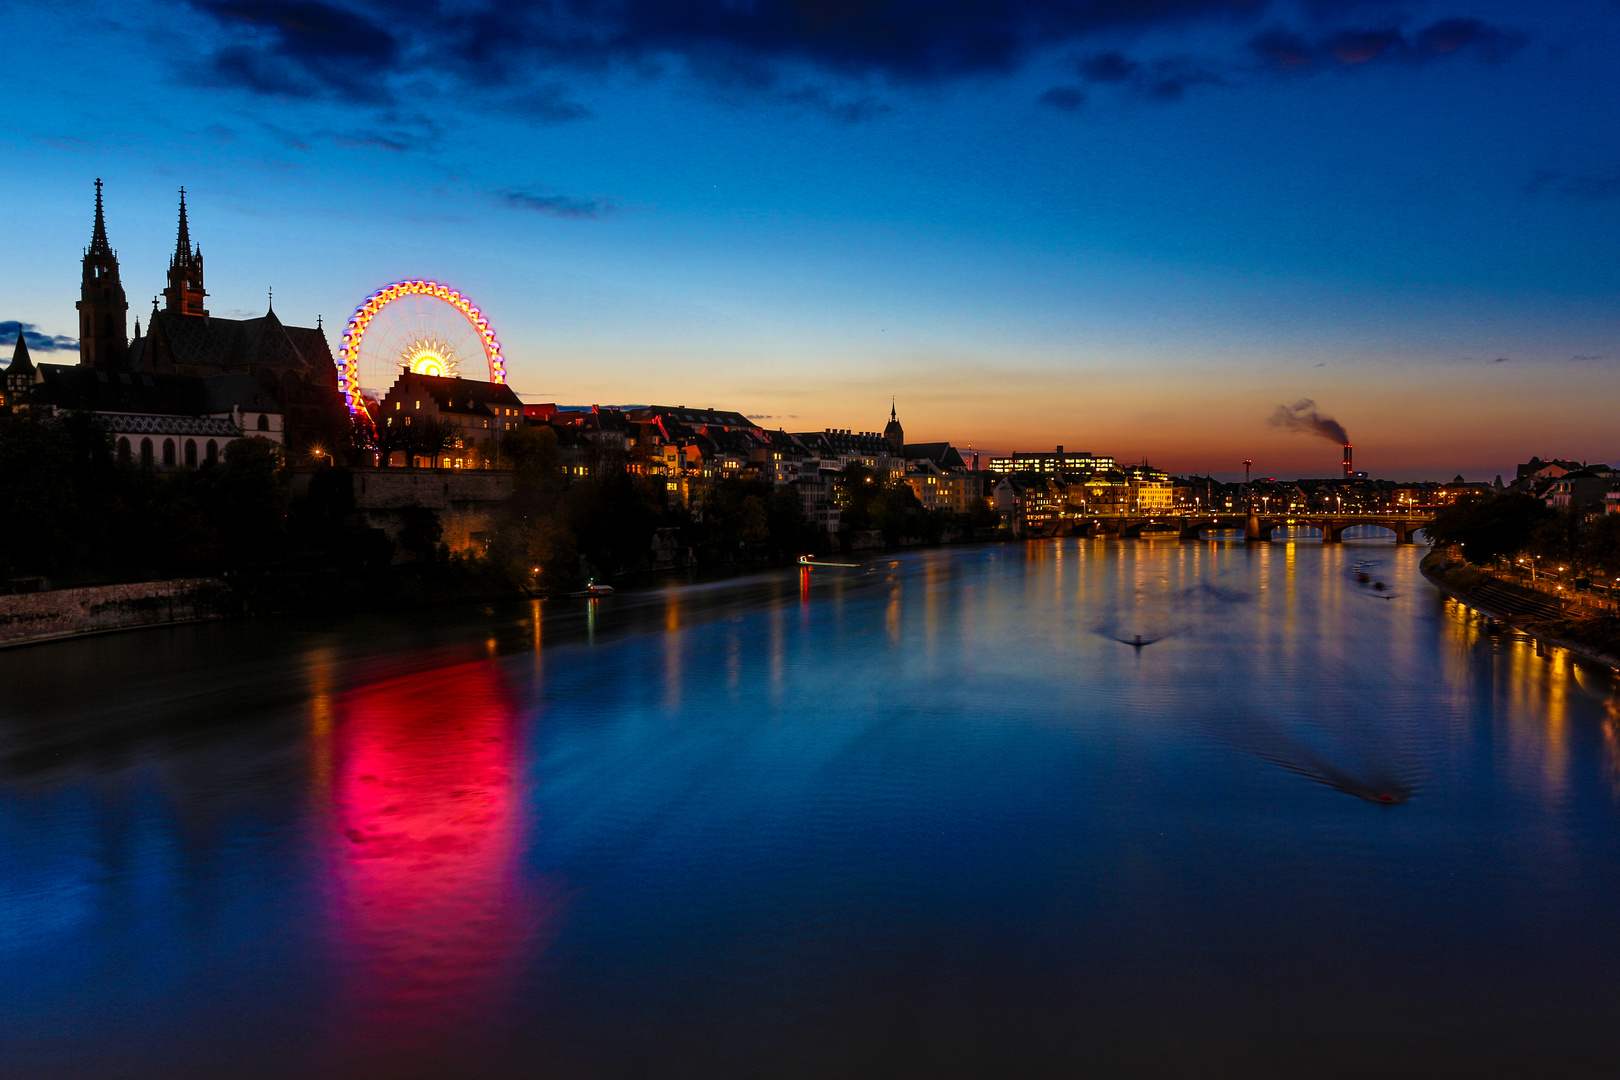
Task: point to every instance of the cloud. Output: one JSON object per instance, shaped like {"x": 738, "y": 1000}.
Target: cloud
{"x": 37, "y": 342}
{"x": 300, "y": 48}
{"x": 1286, "y": 51}
{"x": 848, "y": 111}
{"x": 546, "y": 104}
{"x": 827, "y": 55}
{"x": 1586, "y": 359}
{"x": 1066, "y": 98}
{"x": 546, "y": 201}
{"x": 1165, "y": 79}
{"x": 1109, "y": 67}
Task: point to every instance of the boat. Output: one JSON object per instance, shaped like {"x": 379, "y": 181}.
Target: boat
{"x": 811, "y": 560}
{"x": 592, "y": 590}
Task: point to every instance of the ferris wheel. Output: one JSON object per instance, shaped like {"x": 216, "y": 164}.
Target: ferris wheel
{"x": 420, "y": 326}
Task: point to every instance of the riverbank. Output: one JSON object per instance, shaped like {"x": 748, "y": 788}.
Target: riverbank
{"x": 1595, "y": 638}
{"x": 35, "y": 618}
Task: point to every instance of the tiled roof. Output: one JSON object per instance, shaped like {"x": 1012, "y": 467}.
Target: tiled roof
{"x": 150, "y": 424}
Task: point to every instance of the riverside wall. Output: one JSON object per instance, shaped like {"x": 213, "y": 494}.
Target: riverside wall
{"x": 27, "y": 618}
{"x": 464, "y": 501}
{"x": 1433, "y": 568}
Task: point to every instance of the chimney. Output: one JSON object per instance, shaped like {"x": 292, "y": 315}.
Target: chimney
{"x": 1348, "y": 467}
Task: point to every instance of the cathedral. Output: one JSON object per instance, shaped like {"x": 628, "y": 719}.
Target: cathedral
{"x": 261, "y": 375}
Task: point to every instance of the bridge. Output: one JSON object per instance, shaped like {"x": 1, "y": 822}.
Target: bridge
{"x": 1255, "y": 526}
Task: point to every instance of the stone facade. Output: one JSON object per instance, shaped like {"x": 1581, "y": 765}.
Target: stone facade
{"x": 464, "y": 501}
{"x": 61, "y": 613}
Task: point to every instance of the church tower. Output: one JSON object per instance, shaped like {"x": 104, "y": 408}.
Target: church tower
{"x": 894, "y": 434}
{"x": 101, "y": 305}
{"x": 184, "y": 296}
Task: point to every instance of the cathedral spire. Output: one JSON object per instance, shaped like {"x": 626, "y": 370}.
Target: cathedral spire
{"x": 98, "y": 236}
{"x": 894, "y": 434}
{"x": 182, "y": 245}
{"x": 101, "y": 305}
{"x": 185, "y": 293}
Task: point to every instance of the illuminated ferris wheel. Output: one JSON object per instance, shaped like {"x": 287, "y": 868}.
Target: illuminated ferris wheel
{"x": 420, "y": 326}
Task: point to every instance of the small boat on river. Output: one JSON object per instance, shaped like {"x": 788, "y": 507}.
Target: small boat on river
{"x": 592, "y": 590}
{"x": 811, "y": 560}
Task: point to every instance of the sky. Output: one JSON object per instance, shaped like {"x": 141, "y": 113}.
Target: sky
{"x": 1130, "y": 227}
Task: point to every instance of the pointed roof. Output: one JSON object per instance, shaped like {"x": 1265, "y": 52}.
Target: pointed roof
{"x": 182, "y": 244}
{"x": 20, "y": 361}
{"x": 98, "y": 236}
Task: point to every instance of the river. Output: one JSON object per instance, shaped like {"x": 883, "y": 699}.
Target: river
{"x": 935, "y": 816}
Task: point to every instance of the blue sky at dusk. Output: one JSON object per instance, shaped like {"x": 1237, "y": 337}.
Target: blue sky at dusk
{"x": 1128, "y": 226}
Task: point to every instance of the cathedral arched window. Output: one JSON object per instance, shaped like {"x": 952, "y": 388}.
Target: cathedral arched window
{"x": 191, "y": 453}
{"x": 146, "y": 453}
{"x": 264, "y": 422}
{"x": 211, "y": 452}
{"x": 168, "y": 452}
{"x": 123, "y": 448}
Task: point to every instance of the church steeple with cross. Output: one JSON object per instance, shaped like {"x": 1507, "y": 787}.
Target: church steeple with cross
{"x": 185, "y": 292}
{"x": 102, "y": 305}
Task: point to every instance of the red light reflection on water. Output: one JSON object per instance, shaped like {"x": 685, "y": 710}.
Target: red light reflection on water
{"x": 432, "y": 914}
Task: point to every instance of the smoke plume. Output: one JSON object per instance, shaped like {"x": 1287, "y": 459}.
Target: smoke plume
{"x": 1302, "y": 416}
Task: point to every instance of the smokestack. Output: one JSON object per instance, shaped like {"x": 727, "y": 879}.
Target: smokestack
{"x": 1348, "y": 467}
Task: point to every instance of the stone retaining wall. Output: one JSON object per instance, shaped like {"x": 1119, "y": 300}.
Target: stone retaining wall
{"x": 60, "y": 613}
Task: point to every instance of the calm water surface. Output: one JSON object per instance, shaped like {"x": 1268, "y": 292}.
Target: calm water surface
{"x": 927, "y": 818}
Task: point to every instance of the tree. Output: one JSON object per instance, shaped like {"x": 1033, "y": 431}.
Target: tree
{"x": 1489, "y": 527}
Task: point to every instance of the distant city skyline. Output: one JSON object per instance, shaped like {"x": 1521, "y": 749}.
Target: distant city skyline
{"x": 1085, "y": 224}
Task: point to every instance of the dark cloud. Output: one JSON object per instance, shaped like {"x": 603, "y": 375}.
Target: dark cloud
{"x": 1109, "y": 67}
{"x": 806, "y": 53}
{"x": 300, "y": 48}
{"x": 557, "y": 204}
{"x": 1170, "y": 79}
{"x": 1598, "y": 186}
{"x": 1287, "y": 51}
{"x": 392, "y": 141}
{"x": 548, "y": 104}
{"x": 1066, "y": 98}
{"x": 37, "y": 342}
{"x": 1586, "y": 359}
{"x": 351, "y": 48}
{"x": 845, "y": 111}
{"x": 1166, "y": 79}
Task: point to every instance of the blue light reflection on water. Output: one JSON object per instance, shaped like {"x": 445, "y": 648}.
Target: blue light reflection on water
{"x": 925, "y": 817}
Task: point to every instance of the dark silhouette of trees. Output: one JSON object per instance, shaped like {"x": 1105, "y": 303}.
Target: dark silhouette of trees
{"x": 1490, "y": 527}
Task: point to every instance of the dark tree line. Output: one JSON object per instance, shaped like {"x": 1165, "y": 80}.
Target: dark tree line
{"x": 1506, "y": 527}
{"x": 70, "y": 509}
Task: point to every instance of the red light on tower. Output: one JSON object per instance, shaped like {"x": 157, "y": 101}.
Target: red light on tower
{"x": 1348, "y": 467}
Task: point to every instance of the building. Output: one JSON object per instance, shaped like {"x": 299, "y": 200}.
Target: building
{"x": 162, "y": 421}
{"x": 894, "y": 434}
{"x": 463, "y": 420}
{"x": 20, "y": 373}
{"x": 1583, "y": 489}
{"x": 936, "y": 489}
{"x": 1054, "y": 462}
{"x": 289, "y": 365}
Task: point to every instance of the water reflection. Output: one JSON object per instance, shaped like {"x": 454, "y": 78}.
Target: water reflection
{"x": 913, "y": 812}
{"x": 431, "y": 912}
